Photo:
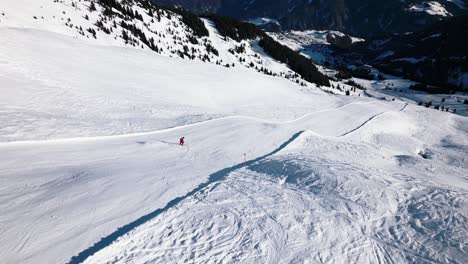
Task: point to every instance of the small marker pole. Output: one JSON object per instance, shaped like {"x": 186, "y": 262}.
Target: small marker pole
{"x": 245, "y": 159}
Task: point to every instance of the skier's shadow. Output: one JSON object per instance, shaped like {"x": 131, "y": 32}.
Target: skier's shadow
{"x": 162, "y": 141}
{"x": 167, "y": 142}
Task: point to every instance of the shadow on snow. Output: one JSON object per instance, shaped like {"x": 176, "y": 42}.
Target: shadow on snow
{"x": 217, "y": 176}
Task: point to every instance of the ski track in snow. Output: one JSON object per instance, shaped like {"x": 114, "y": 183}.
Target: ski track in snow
{"x": 367, "y": 121}
{"x": 214, "y": 120}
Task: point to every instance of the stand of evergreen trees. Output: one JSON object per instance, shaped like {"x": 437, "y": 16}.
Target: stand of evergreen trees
{"x": 114, "y": 4}
{"x": 298, "y": 63}
{"x": 432, "y": 90}
{"x": 234, "y": 28}
{"x": 139, "y": 34}
{"x": 239, "y": 30}
{"x": 193, "y": 22}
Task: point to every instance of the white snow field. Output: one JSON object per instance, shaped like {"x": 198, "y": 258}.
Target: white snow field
{"x": 272, "y": 172}
{"x": 66, "y": 88}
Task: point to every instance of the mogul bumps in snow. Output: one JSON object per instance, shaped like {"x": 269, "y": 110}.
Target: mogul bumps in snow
{"x": 181, "y": 141}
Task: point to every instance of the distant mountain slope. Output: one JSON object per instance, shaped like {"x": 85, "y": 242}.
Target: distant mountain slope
{"x": 437, "y": 55}
{"x": 358, "y": 17}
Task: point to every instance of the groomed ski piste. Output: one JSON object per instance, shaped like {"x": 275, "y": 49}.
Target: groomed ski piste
{"x": 272, "y": 172}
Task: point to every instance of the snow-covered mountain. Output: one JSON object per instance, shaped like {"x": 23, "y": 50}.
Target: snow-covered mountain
{"x": 94, "y": 99}
{"x": 360, "y": 17}
{"x": 141, "y": 25}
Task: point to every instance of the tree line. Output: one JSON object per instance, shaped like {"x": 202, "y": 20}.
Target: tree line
{"x": 238, "y": 30}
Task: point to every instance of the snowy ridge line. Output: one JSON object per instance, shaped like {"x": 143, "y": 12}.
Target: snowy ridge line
{"x": 368, "y": 120}
{"x": 214, "y": 177}
{"x": 149, "y": 133}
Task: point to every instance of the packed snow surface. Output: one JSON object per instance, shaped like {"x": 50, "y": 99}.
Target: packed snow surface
{"x": 272, "y": 172}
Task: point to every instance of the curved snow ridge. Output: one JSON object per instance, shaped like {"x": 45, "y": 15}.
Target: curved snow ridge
{"x": 303, "y": 119}
{"x": 370, "y": 119}
{"x": 217, "y": 176}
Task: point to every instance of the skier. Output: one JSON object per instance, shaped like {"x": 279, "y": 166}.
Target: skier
{"x": 181, "y": 141}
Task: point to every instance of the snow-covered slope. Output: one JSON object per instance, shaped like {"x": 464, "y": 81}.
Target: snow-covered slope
{"x": 69, "y": 80}
{"x": 91, "y": 170}
{"x": 67, "y": 88}
{"x": 366, "y": 197}
{"x": 78, "y": 190}
{"x": 137, "y": 24}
